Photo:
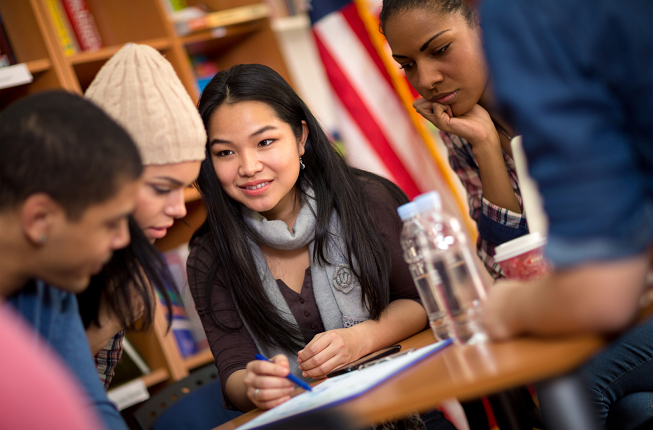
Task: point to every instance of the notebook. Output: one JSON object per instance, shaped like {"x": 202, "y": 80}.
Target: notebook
{"x": 345, "y": 387}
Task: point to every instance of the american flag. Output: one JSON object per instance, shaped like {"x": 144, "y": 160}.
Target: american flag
{"x": 375, "y": 125}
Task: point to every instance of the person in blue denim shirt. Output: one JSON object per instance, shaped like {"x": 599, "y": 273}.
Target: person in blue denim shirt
{"x": 68, "y": 181}
{"x": 576, "y": 79}
{"x": 54, "y": 316}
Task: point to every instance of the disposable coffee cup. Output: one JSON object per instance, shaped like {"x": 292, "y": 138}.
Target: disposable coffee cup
{"x": 523, "y": 258}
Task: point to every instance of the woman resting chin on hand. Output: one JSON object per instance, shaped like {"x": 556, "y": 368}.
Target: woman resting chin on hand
{"x": 439, "y": 46}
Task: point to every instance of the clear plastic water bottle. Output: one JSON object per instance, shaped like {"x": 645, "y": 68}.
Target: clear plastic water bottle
{"x": 412, "y": 228}
{"x": 460, "y": 291}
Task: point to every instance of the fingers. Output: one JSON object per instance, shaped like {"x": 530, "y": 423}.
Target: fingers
{"x": 316, "y": 345}
{"x": 314, "y": 353}
{"x": 320, "y": 371}
{"x": 323, "y": 354}
{"x": 425, "y": 108}
{"x": 446, "y": 109}
{"x": 277, "y": 366}
{"x": 267, "y": 398}
{"x": 266, "y": 382}
{"x": 281, "y": 360}
{"x": 423, "y": 104}
{"x": 436, "y": 113}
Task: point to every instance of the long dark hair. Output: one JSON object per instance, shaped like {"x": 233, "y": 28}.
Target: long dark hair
{"x": 336, "y": 186}
{"x": 136, "y": 270}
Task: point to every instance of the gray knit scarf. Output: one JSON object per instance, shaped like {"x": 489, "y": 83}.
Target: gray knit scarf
{"x": 336, "y": 289}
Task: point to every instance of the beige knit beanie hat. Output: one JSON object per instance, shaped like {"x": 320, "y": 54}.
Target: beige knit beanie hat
{"x": 140, "y": 90}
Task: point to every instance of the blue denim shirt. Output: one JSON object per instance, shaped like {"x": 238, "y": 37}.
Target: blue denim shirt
{"x": 576, "y": 80}
{"x": 54, "y": 315}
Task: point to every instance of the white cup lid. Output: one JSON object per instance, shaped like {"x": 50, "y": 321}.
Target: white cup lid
{"x": 518, "y": 246}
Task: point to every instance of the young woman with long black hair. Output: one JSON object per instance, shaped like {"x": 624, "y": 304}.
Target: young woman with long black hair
{"x": 299, "y": 257}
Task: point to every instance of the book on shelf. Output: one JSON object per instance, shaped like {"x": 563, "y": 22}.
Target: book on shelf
{"x": 205, "y": 70}
{"x": 186, "y": 326}
{"x": 223, "y": 18}
{"x": 65, "y": 34}
{"x": 174, "y": 5}
{"x": 83, "y": 24}
{"x": 7, "y": 57}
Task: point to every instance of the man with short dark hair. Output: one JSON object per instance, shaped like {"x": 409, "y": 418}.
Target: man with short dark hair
{"x": 68, "y": 180}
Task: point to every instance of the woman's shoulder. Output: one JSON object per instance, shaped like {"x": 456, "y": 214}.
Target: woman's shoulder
{"x": 202, "y": 251}
{"x": 381, "y": 194}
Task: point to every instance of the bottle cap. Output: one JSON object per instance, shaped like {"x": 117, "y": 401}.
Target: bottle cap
{"x": 429, "y": 201}
{"x": 518, "y": 246}
{"x": 407, "y": 210}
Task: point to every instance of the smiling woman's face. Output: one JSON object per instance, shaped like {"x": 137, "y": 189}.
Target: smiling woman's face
{"x": 441, "y": 54}
{"x": 256, "y": 157}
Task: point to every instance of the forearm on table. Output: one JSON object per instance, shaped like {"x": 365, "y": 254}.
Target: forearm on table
{"x": 237, "y": 392}
{"x": 598, "y": 297}
{"x": 495, "y": 182}
{"x": 402, "y": 318}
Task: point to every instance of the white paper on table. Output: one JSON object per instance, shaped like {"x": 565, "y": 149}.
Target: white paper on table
{"x": 344, "y": 387}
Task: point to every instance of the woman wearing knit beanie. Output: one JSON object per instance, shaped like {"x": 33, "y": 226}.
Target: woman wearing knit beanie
{"x": 139, "y": 89}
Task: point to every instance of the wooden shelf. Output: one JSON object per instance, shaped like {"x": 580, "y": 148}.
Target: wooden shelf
{"x": 160, "y": 43}
{"x": 199, "y": 359}
{"x": 220, "y": 37}
{"x": 37, "y": 66}
{"x": 291, "y": 23}
{"x": 156, "y": 377}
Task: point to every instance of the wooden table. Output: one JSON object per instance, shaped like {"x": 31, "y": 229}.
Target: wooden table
{"x": 463, "y": 372}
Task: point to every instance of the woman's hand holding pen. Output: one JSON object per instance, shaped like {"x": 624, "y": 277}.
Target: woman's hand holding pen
{"x": 475, "y": 125}
{"x": 329, "y": 350}
{"x": 266, "y": 382}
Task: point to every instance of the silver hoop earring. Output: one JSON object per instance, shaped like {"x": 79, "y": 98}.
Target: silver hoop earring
{"x": 301, "y": 164}
{"x": 42, "y": 239}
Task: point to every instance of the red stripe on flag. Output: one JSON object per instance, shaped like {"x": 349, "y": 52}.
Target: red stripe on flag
{"x": 491, "y": 420}
{"x": 413, "y": 91}
{"x": 359, "y": 113}
{"x": 350, "y": 13}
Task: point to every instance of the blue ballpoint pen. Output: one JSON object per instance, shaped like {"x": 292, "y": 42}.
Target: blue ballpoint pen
{"x": 293, "y": 378}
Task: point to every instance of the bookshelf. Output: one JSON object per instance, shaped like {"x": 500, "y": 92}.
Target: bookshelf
{"x": 33, "y": 38}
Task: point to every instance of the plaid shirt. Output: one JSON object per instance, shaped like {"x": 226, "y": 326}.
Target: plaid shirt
{"x": 107, "y": 359}
{"x": 496, "y": 225}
